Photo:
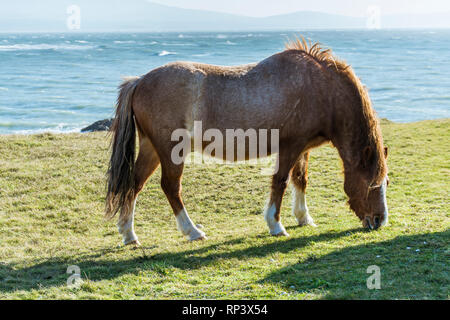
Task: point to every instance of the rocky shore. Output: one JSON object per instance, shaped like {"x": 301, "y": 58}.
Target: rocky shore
{"x": 101, "y": 125}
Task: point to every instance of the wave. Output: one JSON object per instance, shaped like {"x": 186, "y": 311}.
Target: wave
{"x": 43, "y": 46}
{"x": 201, "y": 54}
{"x": 179, "y": 44}
{"x": 166, "y": 53}
{"x": 46, "y": 130}
{"x": 129, "y": 41}
{"x": 16, "y": 128}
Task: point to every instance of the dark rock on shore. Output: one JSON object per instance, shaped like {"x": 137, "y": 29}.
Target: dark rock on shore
{"x": 101, "y": 125}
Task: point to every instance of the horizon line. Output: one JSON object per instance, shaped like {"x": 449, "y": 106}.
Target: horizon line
{"x": 230, "y": 31}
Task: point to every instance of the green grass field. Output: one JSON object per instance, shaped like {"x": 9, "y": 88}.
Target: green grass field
{"x": 52, "y": 191}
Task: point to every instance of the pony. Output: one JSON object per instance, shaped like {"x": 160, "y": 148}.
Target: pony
{"x": 305, "y": 92}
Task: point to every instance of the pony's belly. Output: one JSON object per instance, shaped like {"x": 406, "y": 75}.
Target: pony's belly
{"x": 235, "y": 150}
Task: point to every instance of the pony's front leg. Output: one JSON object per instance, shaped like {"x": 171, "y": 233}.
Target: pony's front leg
{"x": 273, "y": 207}
{"x": 171, "y": 185}
{"x": 299, "y": 180}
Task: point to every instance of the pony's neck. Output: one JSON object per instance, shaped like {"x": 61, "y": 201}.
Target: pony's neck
{"x": 356, "y": 131}
{"x": 348, "y": 143}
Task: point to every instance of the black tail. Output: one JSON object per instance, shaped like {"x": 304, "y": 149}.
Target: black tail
{"x": 121, "y": 166}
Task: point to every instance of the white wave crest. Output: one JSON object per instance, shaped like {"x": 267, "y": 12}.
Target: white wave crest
{"x": 43, "y": 46}
{"x": 119, "y": 42}
{"x": 166, "y": 53}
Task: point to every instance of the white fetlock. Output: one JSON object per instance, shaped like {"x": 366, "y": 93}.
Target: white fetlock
{"x": 275, "y": 227}
{"x": 300, "y": 209}
{"x": 187, "y": 227}
{"x": 128, "y": 234}
{"x": 126, "y": 228}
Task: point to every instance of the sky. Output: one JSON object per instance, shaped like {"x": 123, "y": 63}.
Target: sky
{"x": 258, "y": 8}
{"x": 113, "y": 15}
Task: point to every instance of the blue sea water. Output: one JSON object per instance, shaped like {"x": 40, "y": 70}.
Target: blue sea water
{"x": 63, "y": 82}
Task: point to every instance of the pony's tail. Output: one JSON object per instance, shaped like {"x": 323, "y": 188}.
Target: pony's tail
{"x": 120, "y": 175}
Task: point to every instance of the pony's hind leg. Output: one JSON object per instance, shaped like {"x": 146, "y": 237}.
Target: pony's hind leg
{"x": 146, "y": 163}
{"x": 299, "y": 180}
{"x": 171, "y": 185}
{"x": 279, "y": 184}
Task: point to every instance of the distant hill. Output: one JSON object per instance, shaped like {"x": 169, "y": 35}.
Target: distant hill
{"x": 142, "y": 15}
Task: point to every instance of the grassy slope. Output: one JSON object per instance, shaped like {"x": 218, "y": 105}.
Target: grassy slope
{"x": 51, "y": 201}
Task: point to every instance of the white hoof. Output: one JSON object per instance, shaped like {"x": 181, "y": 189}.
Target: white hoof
{"x": 135, "y": 243}
{"x": 306, "y": 220}
{"x": 196, "y": 234}
{"x": 130, "y": 238}
{"x": 277, "y": 230}
{"x": 281, "y": 234}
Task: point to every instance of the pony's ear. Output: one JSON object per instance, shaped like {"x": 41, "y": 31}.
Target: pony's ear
{"x": 385, "y": 152}
{"x": 366, "y": 156}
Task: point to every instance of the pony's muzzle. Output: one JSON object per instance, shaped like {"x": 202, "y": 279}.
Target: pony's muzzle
{"x": 372, "y": 223}
{"x": 376, "y": 222}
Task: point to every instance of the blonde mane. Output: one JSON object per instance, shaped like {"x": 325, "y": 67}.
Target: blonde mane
{"x": 321, "y": 55}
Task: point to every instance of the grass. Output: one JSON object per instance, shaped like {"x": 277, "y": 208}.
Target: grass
{"x": 51, "y": 202}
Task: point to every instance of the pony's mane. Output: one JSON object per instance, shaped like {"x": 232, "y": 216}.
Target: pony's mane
{"x": 371, "y": 135}
{"x": 315, "y": 51}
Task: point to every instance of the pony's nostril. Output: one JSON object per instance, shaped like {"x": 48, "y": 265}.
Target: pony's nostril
{"x": 376, "y": 222}
{"x": 368, "y": 223}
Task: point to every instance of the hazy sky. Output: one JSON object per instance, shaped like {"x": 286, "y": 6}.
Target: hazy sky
{"x": 260, "y": 8}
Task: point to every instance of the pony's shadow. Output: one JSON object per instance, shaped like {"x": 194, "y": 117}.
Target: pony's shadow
{"x": 411, "y": 267}
{"x": 53, "y": 272}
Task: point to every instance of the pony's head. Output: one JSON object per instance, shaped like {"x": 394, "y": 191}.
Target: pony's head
{"x": 366, "y": 187}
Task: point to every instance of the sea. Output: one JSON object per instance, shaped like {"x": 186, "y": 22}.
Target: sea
{"x": 59, "y": 82}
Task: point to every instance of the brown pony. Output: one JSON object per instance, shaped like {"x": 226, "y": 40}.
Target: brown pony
{"x": 307, "y": 94}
